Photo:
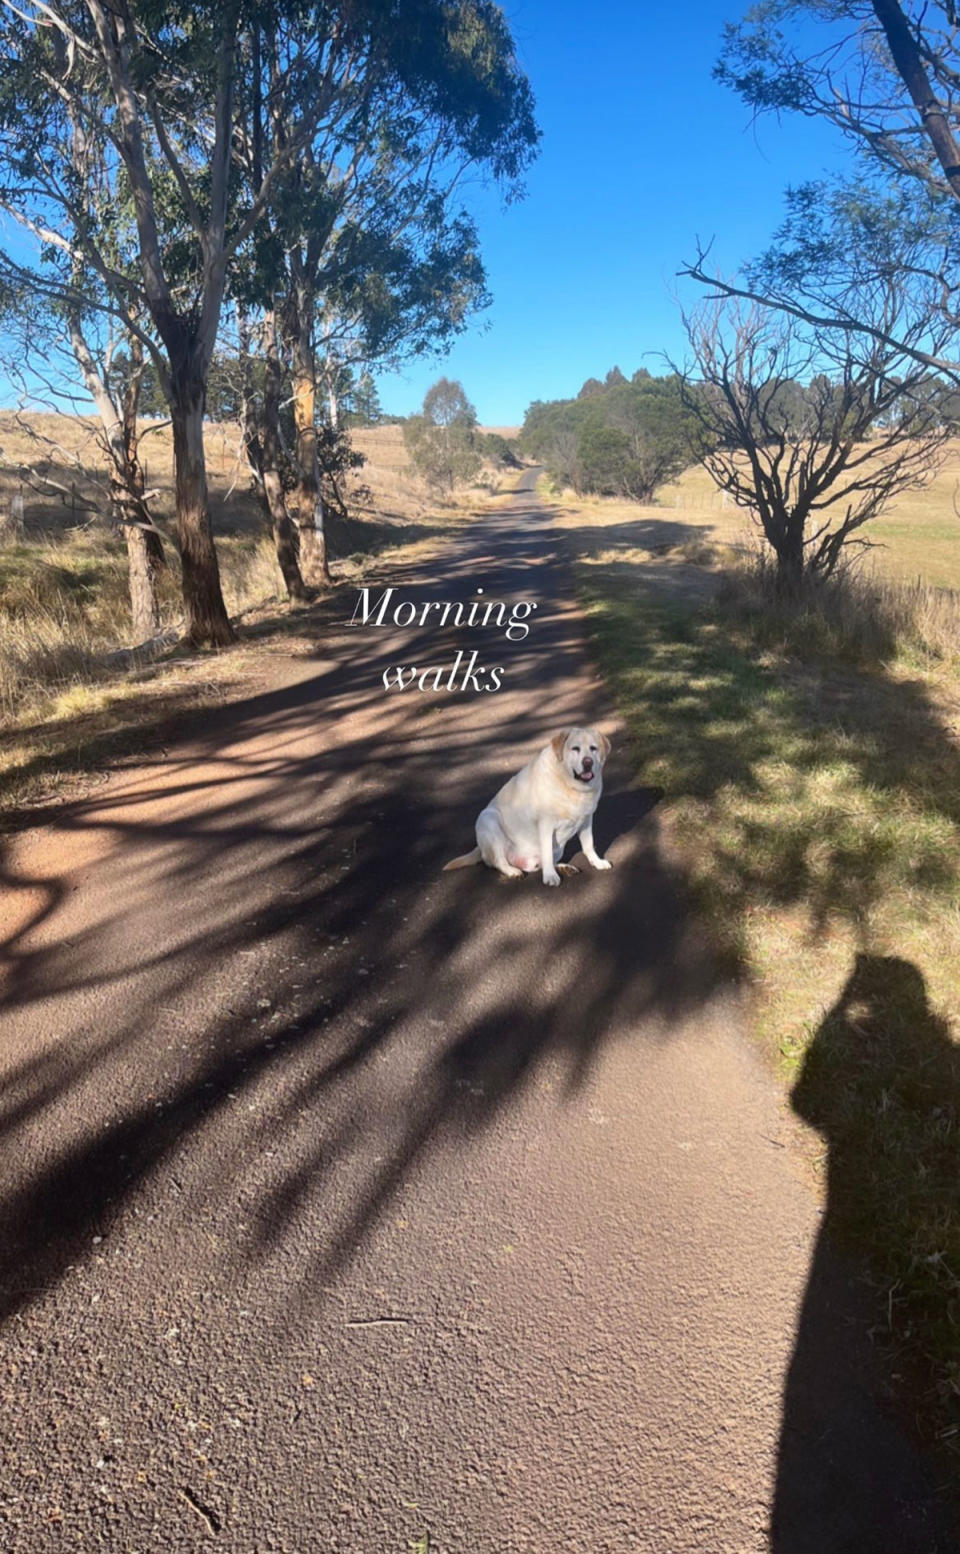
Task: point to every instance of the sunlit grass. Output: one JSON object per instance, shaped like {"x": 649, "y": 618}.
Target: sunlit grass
{"x": 917, "y": 537}
{"x": 810, "y": 761}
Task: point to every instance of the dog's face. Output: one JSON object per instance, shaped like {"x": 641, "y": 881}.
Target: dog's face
{"x": 581, "y": 752}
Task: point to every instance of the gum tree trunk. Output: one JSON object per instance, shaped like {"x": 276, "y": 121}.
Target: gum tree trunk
{"x": 284, "y": 533}
{"x": 207, "y": 622}
{"x": 144, "y": 606}
{"x": 262, "y": 439}
{"x": 311, "y": 514}
{"x": 188, "y": 332}
{"x": 145, "y": 557}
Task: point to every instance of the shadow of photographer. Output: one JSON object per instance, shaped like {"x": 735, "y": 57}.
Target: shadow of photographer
{"x": 881, "y": 1083}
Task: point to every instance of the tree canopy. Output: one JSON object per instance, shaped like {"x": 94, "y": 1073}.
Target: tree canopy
{"x": 616, "y": 438}
{"x": 884, "y": 74}
{"x": 155, "y": 154}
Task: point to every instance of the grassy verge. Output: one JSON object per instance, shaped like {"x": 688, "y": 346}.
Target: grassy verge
{"x": 83, "y": 714}
{"x": 812, "y": 770}
{"x": 74, "y": 701}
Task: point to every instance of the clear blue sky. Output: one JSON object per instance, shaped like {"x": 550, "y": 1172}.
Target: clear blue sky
{"x": 642, "y": 152}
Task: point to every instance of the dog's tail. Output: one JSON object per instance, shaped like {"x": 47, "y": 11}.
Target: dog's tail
{"x": 464, "y": 861}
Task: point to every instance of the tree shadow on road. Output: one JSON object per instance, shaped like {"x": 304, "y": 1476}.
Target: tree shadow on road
{"x": 274, "y": 995}
{"x": 274, "y": 1008}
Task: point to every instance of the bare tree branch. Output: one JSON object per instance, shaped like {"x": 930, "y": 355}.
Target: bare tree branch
{"x": 813, "y": 458}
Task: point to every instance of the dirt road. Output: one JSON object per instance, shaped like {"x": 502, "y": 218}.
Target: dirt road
{"x": 351, "y": 1206}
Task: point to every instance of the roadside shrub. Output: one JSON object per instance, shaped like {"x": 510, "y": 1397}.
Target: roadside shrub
{"x": 862, "y": 618}
{"x": 497, "y": 449}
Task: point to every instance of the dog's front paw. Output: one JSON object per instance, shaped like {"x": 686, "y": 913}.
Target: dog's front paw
{"x": 603, "y": 863}
{"x": 552, "y": 878}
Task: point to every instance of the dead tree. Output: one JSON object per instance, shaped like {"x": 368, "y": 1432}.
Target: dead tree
{"x": 812, "y": 470}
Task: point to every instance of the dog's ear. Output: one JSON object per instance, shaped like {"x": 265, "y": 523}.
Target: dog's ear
{"x": 604, "y": 746}
{"x": 557, "y": 743}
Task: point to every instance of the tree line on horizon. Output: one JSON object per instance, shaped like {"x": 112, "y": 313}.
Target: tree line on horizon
{"x": 626, "y": 438}
{"x": 616, "y": 437}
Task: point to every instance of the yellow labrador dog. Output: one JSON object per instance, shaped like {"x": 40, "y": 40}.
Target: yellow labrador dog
{"x": 531, "y": 820}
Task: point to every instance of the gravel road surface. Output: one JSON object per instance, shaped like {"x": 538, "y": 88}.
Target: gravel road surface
{"x": 350, "y": 1206}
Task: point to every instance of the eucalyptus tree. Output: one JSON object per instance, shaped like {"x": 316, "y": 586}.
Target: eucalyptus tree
{"x": 364, "y": 256}
{"x": 377, "y": 302}
{"x": 156, "y": 85}
{"x": 50, "y": 344}
{"x": 883, "y": 73}
{"x": 442, "y": 439}
{"x": 114, "y": 387}
{"x": 178, "y": 97}
{"x": 60, "y": 359}
{"x": 260, "y": 416}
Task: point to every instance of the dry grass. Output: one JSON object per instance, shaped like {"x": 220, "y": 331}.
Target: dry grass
{"x": 64, "y": 610}
{"x": 393, "y": 486}
{"x": 67, "y": 446}
{"x": 918, "y": 537}
{"x": 810, "y": 760}
{"x": 70, "y": 697}
{"x": 71, "y": 700}
{"x": 863, "y": 618}
{"x": 395, "y": 491}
